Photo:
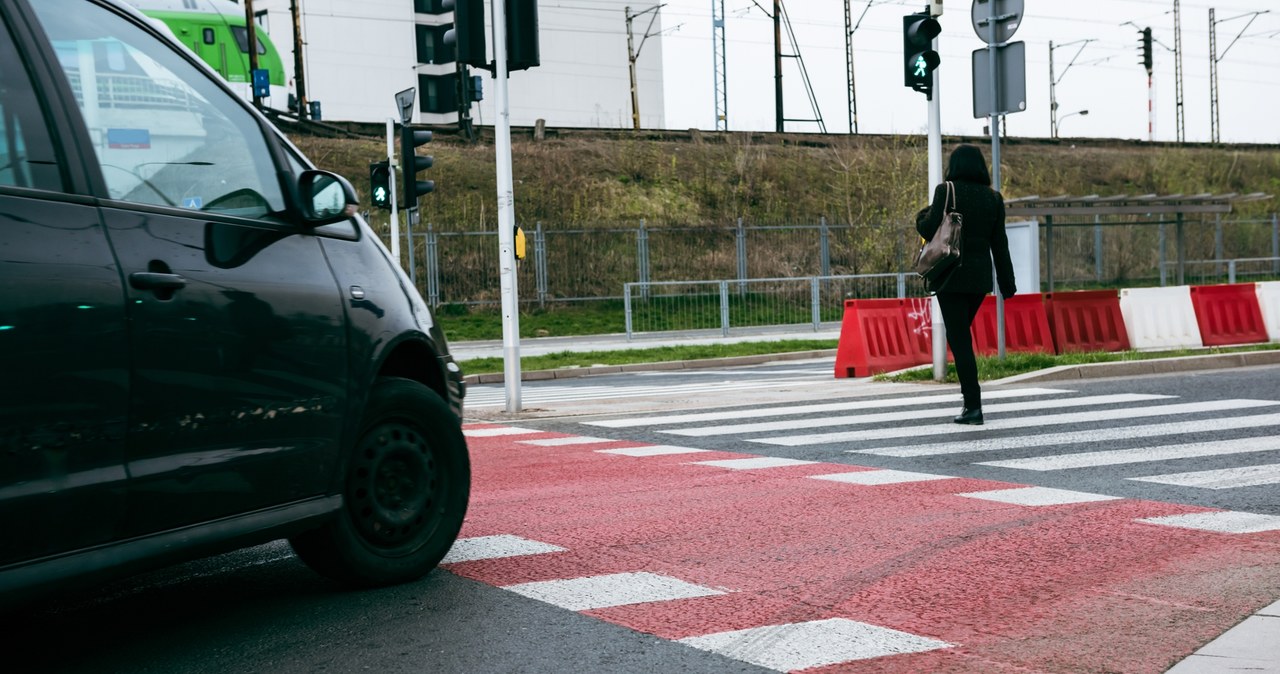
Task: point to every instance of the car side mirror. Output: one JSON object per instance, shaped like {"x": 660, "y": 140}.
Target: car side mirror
{"x": 326, "y": 197}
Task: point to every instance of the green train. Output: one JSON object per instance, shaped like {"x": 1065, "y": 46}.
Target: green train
{"x": 215, "y": 30}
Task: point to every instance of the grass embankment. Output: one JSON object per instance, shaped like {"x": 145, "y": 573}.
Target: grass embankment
{"x": 664, "y": 354}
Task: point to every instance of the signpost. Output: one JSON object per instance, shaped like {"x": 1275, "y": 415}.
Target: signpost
{"x": 999, "y": 87}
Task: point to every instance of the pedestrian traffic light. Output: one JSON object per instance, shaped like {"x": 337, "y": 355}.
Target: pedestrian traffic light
{"x": 918, "y": 31}
{"x": 410, "y": 139}
{"x": 1146, "y": 49}
{"x": 467, "y": 34}
{"x": 380, "y": 184}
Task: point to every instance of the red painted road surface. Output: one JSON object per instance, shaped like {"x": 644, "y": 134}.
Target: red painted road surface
{"x": 997, "y": 587}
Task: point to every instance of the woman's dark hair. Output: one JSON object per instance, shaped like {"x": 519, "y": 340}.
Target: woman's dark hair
{"x": 967, "y": 165}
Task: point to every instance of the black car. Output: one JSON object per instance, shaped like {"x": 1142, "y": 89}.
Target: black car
{"x": 202, "y": 346}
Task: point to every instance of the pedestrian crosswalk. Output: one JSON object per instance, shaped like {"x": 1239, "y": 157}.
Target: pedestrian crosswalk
{"x": 1148, "y": 438}
{"x": 479, "y": 397}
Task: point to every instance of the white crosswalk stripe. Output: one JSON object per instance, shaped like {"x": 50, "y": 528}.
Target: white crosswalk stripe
{"x": 1141, "y": 454}
{"x": 797, "y": 410}
{"x": 1223, "y": 478}
{"x": 910, "y": 415}
{"x": 536, "y": 394}
{"x": 1015, "y": 422}
{"x": 1074, "y": 437}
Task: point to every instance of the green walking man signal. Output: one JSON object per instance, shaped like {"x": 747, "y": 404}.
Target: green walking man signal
{"x": 919, "y": 58}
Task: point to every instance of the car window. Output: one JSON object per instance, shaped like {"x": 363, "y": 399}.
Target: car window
{"x": 162, "y": 131}
{"x": 27, "y": 158}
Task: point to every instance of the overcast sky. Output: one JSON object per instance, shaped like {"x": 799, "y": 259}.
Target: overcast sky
{"x": 1106, "y": 78}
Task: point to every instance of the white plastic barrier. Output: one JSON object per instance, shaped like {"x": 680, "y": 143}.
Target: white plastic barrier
{"x": 1269, "y": 302}
{"x": 1160, "y": 318}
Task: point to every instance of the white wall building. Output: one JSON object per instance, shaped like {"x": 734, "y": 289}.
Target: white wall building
{"x": 357, "y": 55}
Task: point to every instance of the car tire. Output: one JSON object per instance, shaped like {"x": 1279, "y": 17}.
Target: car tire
{"x": 406, "y": 485}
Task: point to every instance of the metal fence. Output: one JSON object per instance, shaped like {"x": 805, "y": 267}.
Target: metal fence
{"x": 594, "y": 264}
{"x": 817, "y": 301}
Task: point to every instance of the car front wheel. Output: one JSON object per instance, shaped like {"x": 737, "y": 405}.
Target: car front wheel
{"x": 406, "y": 486}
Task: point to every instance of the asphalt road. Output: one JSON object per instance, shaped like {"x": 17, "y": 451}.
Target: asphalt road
{"x": 1059, "y": 587}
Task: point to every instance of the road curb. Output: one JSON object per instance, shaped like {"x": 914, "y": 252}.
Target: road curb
{"x": 570, "y": 372}
{"x": 1136, "y": 368}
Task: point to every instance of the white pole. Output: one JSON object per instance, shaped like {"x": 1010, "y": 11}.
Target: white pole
{"x": 391, "y": 185}
{"x": 935, "y": 179}
{"x": 506, "y": 215}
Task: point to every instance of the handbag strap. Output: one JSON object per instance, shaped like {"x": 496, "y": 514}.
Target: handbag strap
{"x": 950, "y": 203}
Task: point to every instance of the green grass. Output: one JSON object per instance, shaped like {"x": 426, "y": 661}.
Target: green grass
{"x": 663, "y": 354}
{"x": 990, "y": 368}
{"x": 462, "y": 323}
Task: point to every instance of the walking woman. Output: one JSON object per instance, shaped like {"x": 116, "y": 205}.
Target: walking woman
{"x": 983, "y": 239}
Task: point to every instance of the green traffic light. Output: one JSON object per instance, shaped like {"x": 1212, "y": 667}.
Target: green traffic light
{"x": 922, "y": 68}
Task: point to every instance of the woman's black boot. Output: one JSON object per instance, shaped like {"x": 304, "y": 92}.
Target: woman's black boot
{"x": 970, "y": 415}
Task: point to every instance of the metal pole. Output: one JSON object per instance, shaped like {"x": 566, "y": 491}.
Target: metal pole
{"x": 1182, "y": 252}
{"x": 777, "y": 62}
{"x": 506, "y": 215}
{"x": 939, "y": 335}
{"x": 992, "y": 52}
{"x": 1048, "y": 247}
{"x": 1164, "y": 281}
{"x": 395, "y": 211}
{"x": 631, "y": 62}
{"x": 251, "y": 34}
{"x": 299, "y": 76}
{"x": 1053, "y": 97}
{"x": 1097, "y": 248}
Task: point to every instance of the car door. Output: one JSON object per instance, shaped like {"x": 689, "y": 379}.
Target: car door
{"x": 238, "y": 337}
{"x": 63, "y": 350}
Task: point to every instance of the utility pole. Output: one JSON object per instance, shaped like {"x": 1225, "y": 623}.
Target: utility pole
{"x": 718, "y": 70}
{"x": 777, "y": 64}
{"x": 299, "y": 77}
{"x": 849, "y": 29}
{"x": 633, "y": 54}
{"x": 1177, "y": 71}
{"x": 1215, "y": 130}
{"x": 1053, "y": 82}
{"x": 251, "y": 34}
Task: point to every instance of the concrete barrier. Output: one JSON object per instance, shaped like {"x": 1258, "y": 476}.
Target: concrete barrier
{"x": 1026, "y": 326}
{"x": 1086, "y": 320}
{"x": 874, "y": 339}
{"x": 1268, "y": 293}
{"x": 1228, "y": 314}
{"x": 1160, "y": 318}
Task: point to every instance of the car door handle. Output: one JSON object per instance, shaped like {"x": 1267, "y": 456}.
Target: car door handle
{"x": 150, "y": 280}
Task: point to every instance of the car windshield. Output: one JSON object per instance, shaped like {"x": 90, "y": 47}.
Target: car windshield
{"x": 162, "y": 131}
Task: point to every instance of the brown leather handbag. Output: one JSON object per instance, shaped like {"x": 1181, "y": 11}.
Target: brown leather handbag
{"x": 941, "y": 253}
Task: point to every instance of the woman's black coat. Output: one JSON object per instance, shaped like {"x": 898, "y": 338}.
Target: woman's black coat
{"x": 983, "y": 239}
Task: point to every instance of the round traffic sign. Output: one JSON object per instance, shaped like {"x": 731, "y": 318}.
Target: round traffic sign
{"x": 1005, "y": 15}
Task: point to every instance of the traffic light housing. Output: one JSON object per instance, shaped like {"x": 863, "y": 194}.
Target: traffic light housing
{"x": 410, "y": 139}
{"x": 467, "y": 34}
{"x": 522, "y": 34}
{"x": 380, "y": 184}
{"x": 468, "y": 37}
{"x": 1146, "y": 49}
{"x": 918, "y": 31}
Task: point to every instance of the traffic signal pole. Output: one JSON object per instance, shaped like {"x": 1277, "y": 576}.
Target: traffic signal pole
{"x": 935, "y": 179}
{"x": 506, "y": 215}
{"x": 992, "y": 46}
{"x": 391, "y": 180}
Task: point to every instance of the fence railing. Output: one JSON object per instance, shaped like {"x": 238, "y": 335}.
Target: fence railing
{"x": 592, "y": 264}
{"x": 815, "y": 301}
{"x": 1239, "y": 270}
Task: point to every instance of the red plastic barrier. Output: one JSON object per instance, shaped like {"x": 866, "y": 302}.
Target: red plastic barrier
{"x": 874, "y": 338}
{"x": 1228, "y": 314}
{"x": 1086, "y": 320}
{"x": 1026, "y": 326}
